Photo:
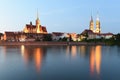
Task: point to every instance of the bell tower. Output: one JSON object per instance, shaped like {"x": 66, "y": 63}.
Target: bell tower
{"x": 98, "y": 29}
{"x": 91, "y": 26}
{"x": 38, "y": 26}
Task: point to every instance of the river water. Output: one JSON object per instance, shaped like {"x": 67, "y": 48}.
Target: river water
{"x": 59, "y": 62}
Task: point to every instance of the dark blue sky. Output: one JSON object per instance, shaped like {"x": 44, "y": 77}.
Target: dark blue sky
{"x": 60, "y": 15}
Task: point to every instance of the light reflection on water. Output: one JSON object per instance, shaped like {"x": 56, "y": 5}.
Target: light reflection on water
{"x": 38, "y": 58}
{"x": 95, "y": 60}
{"x": 74, "y": 51}
{"x": 36, "y": 54}
{"x": 59, "y": 62}
{"x": 22, "y": 50}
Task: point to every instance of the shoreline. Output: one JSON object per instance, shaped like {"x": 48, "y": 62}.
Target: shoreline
{"x": 48, "y": 43}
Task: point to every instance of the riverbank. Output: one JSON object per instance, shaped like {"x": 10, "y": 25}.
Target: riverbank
{"x": 48, "y": 43}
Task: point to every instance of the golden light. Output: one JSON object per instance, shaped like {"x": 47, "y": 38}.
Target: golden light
{"x": 82, "y": 50}
{"x": 22, "y": 50}
{"x": 98, "y": 58}
{"x": 92, "y": 60}
{"x": 24, "y": 54}
{"x": 38, "y": 58}
{"x": 38, "y": 30}
{"x": 74, "y": 51}
{"x": 95, "y": 59}
{"x": 25, "y": 30}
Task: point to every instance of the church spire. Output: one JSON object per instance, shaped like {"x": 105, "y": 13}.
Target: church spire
{"x": 37, "y": 15}
{"x": 98, "y": 28}
{"x": 91, "y": 26}
{"x": 38, "y": 25}
{"x": 37, "y": 20}
{"x": 98, "y": 17}
{"x": 91, "y": 17}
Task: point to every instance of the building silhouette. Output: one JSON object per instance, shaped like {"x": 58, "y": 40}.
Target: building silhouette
{"x": 38, "y": 28}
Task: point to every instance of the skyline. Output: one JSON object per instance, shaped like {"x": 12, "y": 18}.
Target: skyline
{"x": 60, "y": 15}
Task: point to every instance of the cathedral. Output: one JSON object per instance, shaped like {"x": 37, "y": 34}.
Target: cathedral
{"x": 91, "y": 26}
{"x": 38, "y": 28}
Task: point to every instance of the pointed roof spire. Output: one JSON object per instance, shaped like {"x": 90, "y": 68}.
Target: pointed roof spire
{"x": 37, "y": 15}
{"x": 97, "y": 17}
{"x": 91, "y": 17}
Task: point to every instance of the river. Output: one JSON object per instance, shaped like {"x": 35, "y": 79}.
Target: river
{"x": 59, "y": 62}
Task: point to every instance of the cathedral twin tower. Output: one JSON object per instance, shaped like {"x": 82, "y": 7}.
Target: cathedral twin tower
{"x": 91, "y": 26}
{"x": 38, "y": 28}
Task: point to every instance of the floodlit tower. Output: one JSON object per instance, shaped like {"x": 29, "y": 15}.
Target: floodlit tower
{"x": 91, "y": 26}
{"x": 38, "y": 26}
{"x": 98, "y": 29}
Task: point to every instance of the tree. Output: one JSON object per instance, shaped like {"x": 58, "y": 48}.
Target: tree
{"x": 1, "y": 34}
{"x": 117, "y": 37}
{"x": 70, "y": 38}
{"x": 47, "y": 37}
{"x": 64, "y": 39}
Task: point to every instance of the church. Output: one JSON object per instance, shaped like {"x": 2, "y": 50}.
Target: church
{"x": 91, "y": 26}
{"x": 38, "y": 28}
{"x": 95, "y": 33}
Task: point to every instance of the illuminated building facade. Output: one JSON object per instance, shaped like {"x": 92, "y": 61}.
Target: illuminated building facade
{"x": 98, "y": 30}
{"x": 38, "y": 28}
{"x": 91, "y": 26}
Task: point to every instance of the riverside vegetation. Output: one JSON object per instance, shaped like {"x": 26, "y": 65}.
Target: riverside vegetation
{"x": 115, "y": 40}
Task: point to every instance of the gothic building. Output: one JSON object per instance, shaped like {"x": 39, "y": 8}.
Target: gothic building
{"x": 38, "y": 28}
{"x": 98, "y": 29}
{"x": 91, "y": 26}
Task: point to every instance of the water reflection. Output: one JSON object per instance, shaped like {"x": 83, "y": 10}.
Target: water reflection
{"x": 29, "y": 60}
{"x": 4, "y": 51}
{"x": 67, "y": 50}
{"x": 93, "y": 53}
{"x": 98, "y": 58}
{"x": 95, "y": 59}
{"x": 74, "y": 51}
{"x": 92, "y": 59}
{"x": 35, "y": 54}
{"x": 82, "y": 50}
{"x": 22, "y": 50}
{"x": 24, "y": 54}
{"x": 71, "y": 51}
{"x": 38, "y": 58}
{"x": 2, "y": 54}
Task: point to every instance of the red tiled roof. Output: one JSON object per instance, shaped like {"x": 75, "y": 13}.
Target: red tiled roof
{"x": 34, "y": 26}
{"x": 106, "y": 34}
{"x": 44, "y": 29}
{"x": 58, "y": 33}
{"x": 87, "y": 31}
{"x": 9, "y": 33}
{"x": 30, "y": 26}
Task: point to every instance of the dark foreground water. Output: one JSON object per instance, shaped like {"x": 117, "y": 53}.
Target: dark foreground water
{"x": 59, "y": 63}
